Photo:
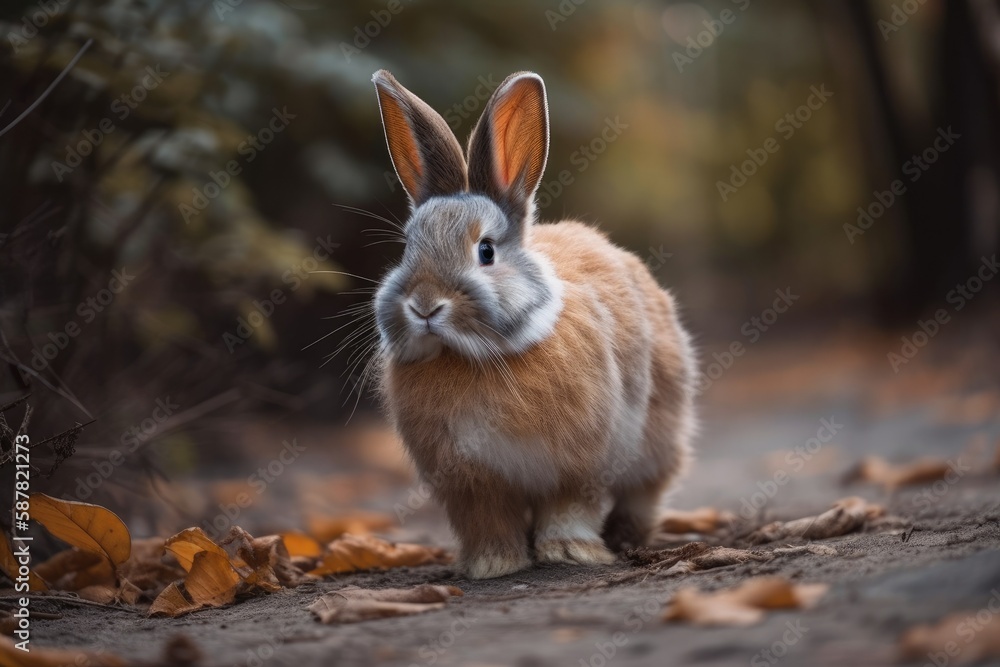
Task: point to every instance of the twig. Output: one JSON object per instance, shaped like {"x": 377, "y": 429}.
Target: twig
{"x": 34, "y": 105}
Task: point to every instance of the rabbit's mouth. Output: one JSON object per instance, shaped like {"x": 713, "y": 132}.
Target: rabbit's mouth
{"x": 419, "y": 347}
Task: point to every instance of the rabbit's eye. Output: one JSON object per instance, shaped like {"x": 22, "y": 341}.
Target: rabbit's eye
{"x": 486, "y": 253}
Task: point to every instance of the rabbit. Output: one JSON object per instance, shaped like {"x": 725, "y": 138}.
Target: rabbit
{"x": 537, "y": 374}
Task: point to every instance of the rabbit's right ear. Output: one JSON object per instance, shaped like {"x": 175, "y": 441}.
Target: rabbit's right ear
{"x": 425, "y": 153}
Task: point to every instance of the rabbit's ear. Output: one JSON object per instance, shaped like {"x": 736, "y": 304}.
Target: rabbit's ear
{"x": 510, "y": 144}
{"x": 427, "y": 157}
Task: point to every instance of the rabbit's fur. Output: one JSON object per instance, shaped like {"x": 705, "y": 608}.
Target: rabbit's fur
{"x": 547, "y": 393}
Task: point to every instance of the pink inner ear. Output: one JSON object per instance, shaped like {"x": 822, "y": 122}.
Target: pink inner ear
{"x": 402, "y": 145}
{"x": 518, "y": 133}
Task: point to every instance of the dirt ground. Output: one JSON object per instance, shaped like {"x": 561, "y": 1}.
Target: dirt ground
{"x": 941, "y": 556}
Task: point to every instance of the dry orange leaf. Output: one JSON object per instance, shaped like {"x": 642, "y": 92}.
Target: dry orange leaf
{"x": 46, "y": 657}
{"x": 188, "y": 543}
{"x": 846, "y": 516}
{"x": 301, "y": 545}
{"x": 350, "y": 605}
{"x": 10, "y": 567}
{"x": 745, "y": 604}
{"x": 73, "y": 569}
{"x": 352, "y": 553}
{"x": 146, "y": 568}
{"x": 172, "y": 602}
{"x": 89, "y": 527}
{"x": 212, "y": 580}
{"x": 263, "y": 561}
{"x": 326, "y": 528}
{"x": 877, "y": 470}
{"x": 943, "y": 638}
{"x": 701, "y": 520}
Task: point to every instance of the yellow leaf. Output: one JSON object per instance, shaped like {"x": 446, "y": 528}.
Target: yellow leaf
{"x": 325, "y": 528}
{"x": 89, "y": 527}
{"x": 188, "y": 543}
{"x": 300, "y": 544}
{"x": 701, "y": 520}
{"x": 10, "y": 566}
{"x": 351, "y": 553}
{"x": 212, "y": 580}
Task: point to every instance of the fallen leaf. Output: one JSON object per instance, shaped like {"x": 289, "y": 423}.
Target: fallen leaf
{"x": 47, "y": 657}
{"x": 146, "y": 569}
{"x": 815, "y": 549}
{"x": 877, "y": 470}
{"x": 73, "y": 569}
{"x": 91, "y": 576}
{"x": 846, "y": 516}
{"x": 352, "y": 553}
{"x": 350, "y": 605}
{"x": 265, "y": 559}
{"x": 188, "y": 543}
{"x": 701, "y": 520}
{"x": 10, "y": 567}
{"x": 696, "y": 556}
{"x": 212, "y": 580}
{"x": 89, "y": 527}
{"x": 744, "y": 605}
{"x": 326, "y": 528}
{"x": 301, "y": 545}
{"x": 923, "y": 640}
{"x": 172, "y": 602}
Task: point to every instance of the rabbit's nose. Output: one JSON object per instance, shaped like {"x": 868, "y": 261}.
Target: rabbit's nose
{"x": 426, "y": 312}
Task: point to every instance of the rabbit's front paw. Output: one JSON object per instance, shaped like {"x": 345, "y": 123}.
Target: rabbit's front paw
{"x": 582, "y": 552}
{"x": 496, "y": 564}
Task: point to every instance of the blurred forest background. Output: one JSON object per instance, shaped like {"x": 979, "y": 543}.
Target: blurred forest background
{"x": 166, "y": 210}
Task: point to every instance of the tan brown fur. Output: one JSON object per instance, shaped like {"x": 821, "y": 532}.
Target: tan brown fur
{"x": 552, "y": 432}
{"x": 613, "y": 313}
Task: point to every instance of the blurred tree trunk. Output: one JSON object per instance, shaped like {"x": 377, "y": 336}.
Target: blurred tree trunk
{"x": 950, "y": 215}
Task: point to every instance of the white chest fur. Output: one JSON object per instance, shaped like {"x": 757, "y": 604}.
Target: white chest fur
{"x": 524, "y": 462}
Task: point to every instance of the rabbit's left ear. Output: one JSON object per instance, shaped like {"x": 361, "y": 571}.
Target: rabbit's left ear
{"x": 425, "y": 153}
{"x": 509, "y": 147}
